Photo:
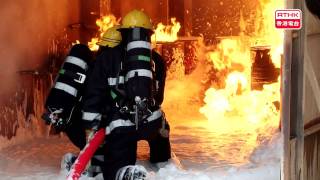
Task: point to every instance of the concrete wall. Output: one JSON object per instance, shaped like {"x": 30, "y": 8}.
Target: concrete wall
{"x": 28, "y": 32}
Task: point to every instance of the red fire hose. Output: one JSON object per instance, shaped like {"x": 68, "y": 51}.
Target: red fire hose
{"x": 86, "y": 154}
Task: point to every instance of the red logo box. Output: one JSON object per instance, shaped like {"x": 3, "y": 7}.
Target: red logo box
{"x": 288, "y": 19}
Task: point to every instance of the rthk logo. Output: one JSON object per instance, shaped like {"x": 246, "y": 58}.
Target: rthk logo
{"x": 288, "y": 19}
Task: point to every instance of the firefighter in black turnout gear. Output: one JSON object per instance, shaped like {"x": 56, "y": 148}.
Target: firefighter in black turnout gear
{"x": 128, "y": 83}
{"x": 65, "y": 100}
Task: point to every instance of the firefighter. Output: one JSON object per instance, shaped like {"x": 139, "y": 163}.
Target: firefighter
{"x": 64, "y": 103}
{"x": 128, "y": 80}
{"x": 109, "y": 39}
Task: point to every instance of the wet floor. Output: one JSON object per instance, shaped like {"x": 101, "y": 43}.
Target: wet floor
{"x": 196, "y": 144}
{"x": 40, "y": 159}
{"x": 193, "y": 142}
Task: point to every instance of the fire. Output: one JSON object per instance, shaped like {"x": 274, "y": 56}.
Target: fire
{"x": 246, "y": 116}
{"x": 93, "y": 44}
{"x": 240, "y": 117}
{"x": 104, "y": 23}
{"x": 163, "y": 33}
{"x": 167, "y": 33}
{"x": 250, "y": 116}
{"x": 77, "y": 42}
{"x": 266, "y": 33}
{"x": 238, "y": 110}
{"x": 229, "y": 54}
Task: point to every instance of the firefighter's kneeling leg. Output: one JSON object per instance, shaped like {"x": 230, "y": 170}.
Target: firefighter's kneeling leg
{"x": 121, "y": 150}
{"x": 160, "y": 149}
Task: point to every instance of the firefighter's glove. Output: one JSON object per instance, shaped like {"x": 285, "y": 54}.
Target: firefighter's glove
{"x": 54, "y": 117}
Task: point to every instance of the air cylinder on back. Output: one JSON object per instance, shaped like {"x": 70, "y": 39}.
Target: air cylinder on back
{"x": 137, "y": 63}
{"x": 69, "y": 83}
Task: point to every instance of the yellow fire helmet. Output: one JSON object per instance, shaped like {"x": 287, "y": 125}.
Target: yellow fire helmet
{"x": 111, "y": 38}
{"x": 136, "y": 18}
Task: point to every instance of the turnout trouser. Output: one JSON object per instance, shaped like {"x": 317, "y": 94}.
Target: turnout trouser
{"x": 121, "y": 146}
{"x": 77, "y": 135}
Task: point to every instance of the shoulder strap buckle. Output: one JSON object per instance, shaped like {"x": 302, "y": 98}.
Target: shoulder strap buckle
{"x": 81, "y": 78}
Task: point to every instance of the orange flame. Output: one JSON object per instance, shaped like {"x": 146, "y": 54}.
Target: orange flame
{"x": 266, "y": 33}
{"x": 167, "y": 33}
{"x": 163, "y": 33}
{"x": 93, "y": 44}
{"x": 77, "y": 42}
{"x": 104, "y": 23}
{"x": 230, "y": 53}
{"x": 233, "y": 110}
{"x": 236, "y": 109}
